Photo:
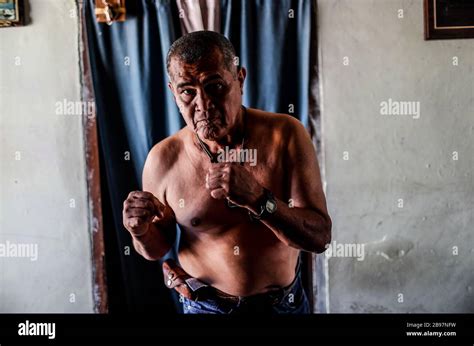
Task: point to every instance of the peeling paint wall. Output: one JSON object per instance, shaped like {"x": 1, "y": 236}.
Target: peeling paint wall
{"x": 398, "y": 190}
{"x": 43, "y": 197}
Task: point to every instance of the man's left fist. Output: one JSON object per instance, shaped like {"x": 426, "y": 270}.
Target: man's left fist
{"x": 234, "y": 182}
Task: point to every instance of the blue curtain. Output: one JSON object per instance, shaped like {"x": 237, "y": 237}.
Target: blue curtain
{"x": 272, "y": 40}
{"x": 135, "y": 109}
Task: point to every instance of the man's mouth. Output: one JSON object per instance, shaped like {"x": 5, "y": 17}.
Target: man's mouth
{"x": 208, "y": 128}
{"x": 208, "y": 123}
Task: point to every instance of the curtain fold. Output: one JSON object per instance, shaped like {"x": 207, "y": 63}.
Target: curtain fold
{"x": 135, "y": 109}
{"x": 199, "y": 15}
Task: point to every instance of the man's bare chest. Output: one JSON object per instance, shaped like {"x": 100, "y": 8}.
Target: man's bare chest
{"x": 196, "y": 209}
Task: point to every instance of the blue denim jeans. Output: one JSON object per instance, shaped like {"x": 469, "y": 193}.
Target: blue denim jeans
{"x": 288, "y": 300}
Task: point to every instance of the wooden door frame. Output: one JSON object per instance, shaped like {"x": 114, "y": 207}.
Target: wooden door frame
{"x": 99, "y": 284}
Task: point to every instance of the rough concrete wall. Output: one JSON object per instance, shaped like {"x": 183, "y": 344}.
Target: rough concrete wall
{"x": 418, "y": 252}
{"x": 43, "y": 182}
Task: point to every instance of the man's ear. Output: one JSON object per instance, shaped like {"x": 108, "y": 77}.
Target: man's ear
{"x": 170, "y": 86}
{"x": 241, "y": 77}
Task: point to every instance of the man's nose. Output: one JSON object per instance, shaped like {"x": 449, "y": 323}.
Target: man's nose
{"x": 203, "y": 102}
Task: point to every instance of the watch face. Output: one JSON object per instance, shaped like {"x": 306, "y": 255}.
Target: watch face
{"x": 270, "y": 206}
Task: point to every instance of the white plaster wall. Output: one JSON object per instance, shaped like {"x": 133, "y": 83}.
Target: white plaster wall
{"x": 408, "y": 250}
{"x": 36, "y": 191}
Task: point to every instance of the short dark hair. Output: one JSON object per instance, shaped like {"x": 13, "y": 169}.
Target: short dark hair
{"x": 192, "y": 47}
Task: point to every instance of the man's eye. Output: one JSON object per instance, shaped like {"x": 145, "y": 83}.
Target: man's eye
{"x": 187, "y": 92}
{"x": 216, "y": 87}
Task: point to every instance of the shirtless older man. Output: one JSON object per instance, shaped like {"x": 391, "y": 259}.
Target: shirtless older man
{"x": 243, "y": 224}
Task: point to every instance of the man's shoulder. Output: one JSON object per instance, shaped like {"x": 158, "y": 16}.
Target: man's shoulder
{"x": 282, "y": 123}
{"x": 164, "y": 154}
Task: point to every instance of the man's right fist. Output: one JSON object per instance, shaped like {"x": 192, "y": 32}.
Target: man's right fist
{"x": 140, "y": 210}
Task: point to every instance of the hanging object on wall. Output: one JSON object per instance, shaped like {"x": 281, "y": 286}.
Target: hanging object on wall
{"x": 449, "y": 19}
{"x": 11, "y": 13}
{"x": 109, "y": 11}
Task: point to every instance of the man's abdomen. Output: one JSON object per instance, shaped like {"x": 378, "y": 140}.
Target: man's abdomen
{"x": 241, "y": 261}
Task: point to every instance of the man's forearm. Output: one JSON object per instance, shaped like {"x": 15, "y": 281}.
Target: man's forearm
{"x": 304, "y": 229}
{"x": 154, "y": 244}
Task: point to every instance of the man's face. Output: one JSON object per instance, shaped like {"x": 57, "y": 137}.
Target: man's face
{"x": 207, "y": 94}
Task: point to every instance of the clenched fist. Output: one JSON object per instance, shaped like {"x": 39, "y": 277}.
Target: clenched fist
{"x": 235, "y": 183}
{"x": 140, "y": 210}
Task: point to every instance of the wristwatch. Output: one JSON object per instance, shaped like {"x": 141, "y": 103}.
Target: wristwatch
{"x": 267, "y": 207}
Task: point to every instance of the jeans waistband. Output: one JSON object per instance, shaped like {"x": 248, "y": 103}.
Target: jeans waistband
{"x": 204, "y": 291}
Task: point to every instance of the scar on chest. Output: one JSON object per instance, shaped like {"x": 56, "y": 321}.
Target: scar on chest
{"x": 195, "y": 221}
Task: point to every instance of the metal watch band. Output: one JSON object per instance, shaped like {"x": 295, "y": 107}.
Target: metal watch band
{"x": 267, "y": 195}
